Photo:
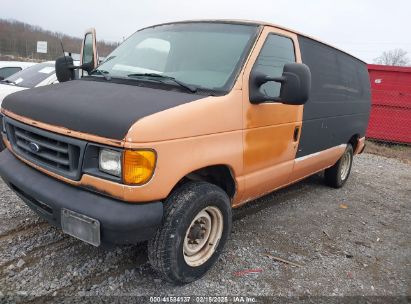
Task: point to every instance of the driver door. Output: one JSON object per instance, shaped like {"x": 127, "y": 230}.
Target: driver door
{"x": 271, "y": 129}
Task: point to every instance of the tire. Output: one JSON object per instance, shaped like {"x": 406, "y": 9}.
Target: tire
{"x": 168, "y": 250}
{"x": 337, "y": 175}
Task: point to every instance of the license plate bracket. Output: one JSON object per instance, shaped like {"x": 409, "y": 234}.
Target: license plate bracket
{"x": 81, "y": 227}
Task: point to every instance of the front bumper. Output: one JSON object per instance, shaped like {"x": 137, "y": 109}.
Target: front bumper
{"x": 120, "y": 223}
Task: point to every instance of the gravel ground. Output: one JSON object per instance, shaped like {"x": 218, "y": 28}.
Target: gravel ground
{"x": 350, "y": 241}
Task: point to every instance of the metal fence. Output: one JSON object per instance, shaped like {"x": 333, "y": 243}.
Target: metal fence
{"x": 390, "y": 119}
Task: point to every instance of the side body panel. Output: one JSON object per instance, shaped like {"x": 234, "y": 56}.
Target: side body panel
{"x": 337, "y": 110}
{"x": 192, "y": 136}
{"x": 339, "y": 104}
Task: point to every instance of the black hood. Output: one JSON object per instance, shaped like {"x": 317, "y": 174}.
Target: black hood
{"x": 101, "y": 108}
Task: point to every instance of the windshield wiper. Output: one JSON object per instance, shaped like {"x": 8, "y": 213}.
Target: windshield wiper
{"x": 8, "y": 81}
{"x": 108, "y": 59}
{"x": 104, "y": 73}
{"x": 191, "y": 88}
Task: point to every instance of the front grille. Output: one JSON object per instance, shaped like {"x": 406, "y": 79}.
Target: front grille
{"x": 60, "y": 154}
{"x": 52, "y": 152}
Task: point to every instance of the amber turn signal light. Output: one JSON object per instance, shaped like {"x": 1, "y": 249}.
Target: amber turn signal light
{"x": 138, "y": 166}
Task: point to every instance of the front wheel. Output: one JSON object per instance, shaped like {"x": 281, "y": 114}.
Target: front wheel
{"x": 337, "y": 175}
{"x": 195, "y": 228}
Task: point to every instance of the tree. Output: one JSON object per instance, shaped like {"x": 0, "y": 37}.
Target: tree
{"x": 396, "y": 57}
{"x": 19, "y": 41}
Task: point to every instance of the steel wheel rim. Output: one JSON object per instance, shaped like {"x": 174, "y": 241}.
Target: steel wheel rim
{"x": 202, "y": 236}
{"x": 345, "y": 165}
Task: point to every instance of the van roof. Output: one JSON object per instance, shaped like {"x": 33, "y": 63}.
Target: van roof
{"x": 259, "y": 23}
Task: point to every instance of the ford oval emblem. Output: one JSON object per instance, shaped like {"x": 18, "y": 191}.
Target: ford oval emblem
{"x": 34, "y": 147}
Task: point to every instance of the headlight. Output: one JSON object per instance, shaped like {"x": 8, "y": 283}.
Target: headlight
{"x": 138, "y": 166}
{"x": 110, "y": 162}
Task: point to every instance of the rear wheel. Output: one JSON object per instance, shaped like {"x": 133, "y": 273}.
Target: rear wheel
{"x": 337, "y": 175}
{"x": 195, "y": 228}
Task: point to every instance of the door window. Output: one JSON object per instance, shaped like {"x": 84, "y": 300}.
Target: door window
{"x": 276, "y": 51}
{"x": 88, "y": 50}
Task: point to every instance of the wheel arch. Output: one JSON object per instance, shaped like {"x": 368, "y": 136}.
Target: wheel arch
{"x": 354, "y": 140}
{"x": 221, "y": 175}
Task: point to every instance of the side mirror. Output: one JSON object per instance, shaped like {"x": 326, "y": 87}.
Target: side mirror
{"x": 65, "y": 69}
{"x": 88, "y": 56}
{"x": 295, "y": 85}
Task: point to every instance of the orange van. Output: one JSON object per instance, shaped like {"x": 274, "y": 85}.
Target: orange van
{"x": 181, "y": 123}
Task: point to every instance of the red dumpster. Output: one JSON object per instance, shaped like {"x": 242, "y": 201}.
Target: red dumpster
{"x": 390, "y": 118}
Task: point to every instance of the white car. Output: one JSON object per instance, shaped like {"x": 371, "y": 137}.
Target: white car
{"x": 38, "y": 75}
{"x": 8, "y": 68}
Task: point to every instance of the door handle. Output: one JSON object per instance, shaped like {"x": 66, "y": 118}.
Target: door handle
{"x": 296, "y": 133}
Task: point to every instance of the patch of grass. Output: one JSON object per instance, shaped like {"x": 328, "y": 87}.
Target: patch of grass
{"x": 398, "y": 151}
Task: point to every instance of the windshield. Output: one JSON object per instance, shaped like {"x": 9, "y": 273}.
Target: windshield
{"x": 204, "y": 55}
{"x": 32, "y": 76}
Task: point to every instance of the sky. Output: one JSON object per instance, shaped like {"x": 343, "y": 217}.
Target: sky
{"x": 364, "y": 28}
